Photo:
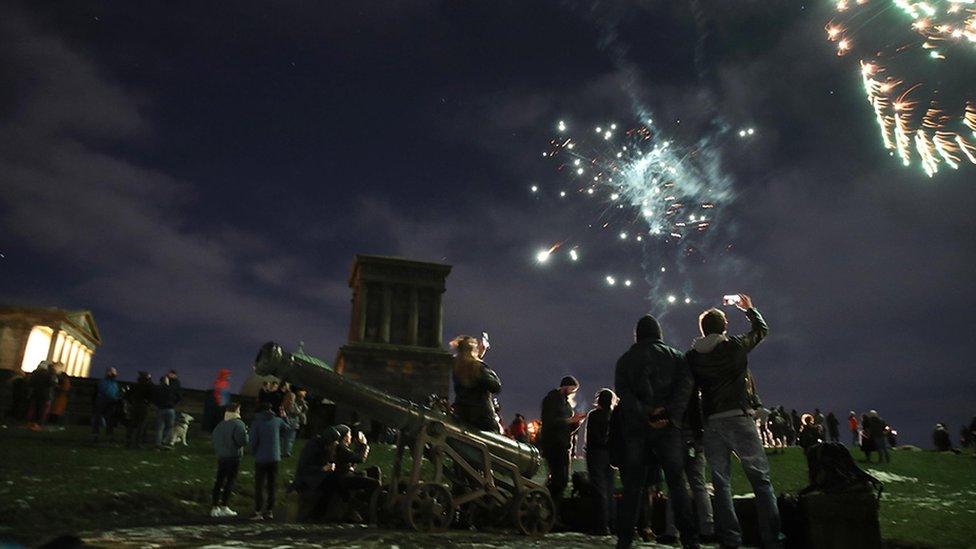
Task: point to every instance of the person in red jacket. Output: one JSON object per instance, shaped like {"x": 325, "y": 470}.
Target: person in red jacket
{"x": 853, "y": 424}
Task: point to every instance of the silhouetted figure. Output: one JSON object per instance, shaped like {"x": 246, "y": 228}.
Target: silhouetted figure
{"x": 265, "y": 441}
{"x": 854, "y": 426}
{"x": 810, "y": 432}
{"x": 139, "y": 396}
{"x": 559, "y": 426}
{"x": 833, "y": 427}
{"x": 107, "y": 396}
{"x": 519, "y": 429}
{"x": 229, "y": 439}
{"x": 655, "y": 386}
{"x": 941, "y": 439}
{"x": 598, "y": 458}
{"x": 874, "y": 428}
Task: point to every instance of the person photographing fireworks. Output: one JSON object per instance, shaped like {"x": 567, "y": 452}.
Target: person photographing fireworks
{"x": 474, "y": 384}
{"x": 720, "y": 366}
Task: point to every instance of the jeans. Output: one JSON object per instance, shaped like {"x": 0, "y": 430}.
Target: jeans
{"x": 164, "y": 424}
{"x": 601, "y": 475}
{"x": 288, "y": 441}
{"x": 724, "y": 436}
{"x": 558, "y": 461}
{"x": 695, "y": 471}
{"x": 640, "y": 450}
{"x": 103, "y": 416}
{"x": 881, "y": 445}
{"x": 265, "y": 484}
{"x": 226, "y": 475}
{"x": 38, "y": 410}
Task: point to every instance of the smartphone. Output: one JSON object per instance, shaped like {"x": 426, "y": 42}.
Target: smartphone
{"x": 731, "y": 299}
{"x": 484, "y": 340}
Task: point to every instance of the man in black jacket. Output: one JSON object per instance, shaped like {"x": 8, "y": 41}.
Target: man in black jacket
{"x": 559, "y": 426}
{"x": 654, "y": 386}
{"x": 721, "y": 369}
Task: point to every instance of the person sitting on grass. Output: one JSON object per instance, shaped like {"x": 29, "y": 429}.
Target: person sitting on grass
{"x": 229, "y": 439}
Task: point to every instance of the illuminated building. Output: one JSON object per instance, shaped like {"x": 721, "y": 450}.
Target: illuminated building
{"x": 29, "y": 335}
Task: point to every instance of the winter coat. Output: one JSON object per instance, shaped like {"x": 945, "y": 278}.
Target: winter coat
{"x": 167, "y": 395}
{"x": 317, "y": 453}
{"x": 648, "y": 376}
{"x": 472, "y": 401}
{"x": 229, "y": 438}
{"x": 557, "y": 431}
{"x": 139, "y": 397}
{"x": 108, "y": 391}
{"x": 720, "y": 366}
{"x": 597, "y": 430}
{"x": 266, "y": 431}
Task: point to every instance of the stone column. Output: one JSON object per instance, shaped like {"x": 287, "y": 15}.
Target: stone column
{"x": 414, "y": 315}
{"x": 387, "y": 313}
{"x": 438, "y": 319}
{"x": 54, "y": 343}
{"x": 361, "y": 309}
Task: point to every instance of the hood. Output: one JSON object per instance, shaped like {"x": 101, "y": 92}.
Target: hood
{"x": 708, "y": 343}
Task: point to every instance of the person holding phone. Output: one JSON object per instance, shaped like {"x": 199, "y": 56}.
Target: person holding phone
{"x": 474, "y": 384}
{"x": 720, "y": 366}
{"x": 559, "y": 425}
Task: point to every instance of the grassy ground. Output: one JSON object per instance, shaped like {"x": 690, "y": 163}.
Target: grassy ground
{"x": 59, "y": 482}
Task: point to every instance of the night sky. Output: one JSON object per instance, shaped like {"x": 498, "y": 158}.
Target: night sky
{"x": 200, "y": 177}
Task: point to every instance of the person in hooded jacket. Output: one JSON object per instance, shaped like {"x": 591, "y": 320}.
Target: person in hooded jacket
{"x": 229, "y": 439}
{"x": 655, "y": 385}
{"x": 216, "y": 400}
{"x": 266, "y": 430}
{"x": 721, "y": 369}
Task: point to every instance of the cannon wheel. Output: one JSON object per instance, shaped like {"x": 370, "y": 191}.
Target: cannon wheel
{"x": 534, "y": 512}
{"x": 429, "y": 508}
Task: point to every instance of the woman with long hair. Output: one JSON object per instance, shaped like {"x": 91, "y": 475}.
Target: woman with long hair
{"x": 474, "y": 383}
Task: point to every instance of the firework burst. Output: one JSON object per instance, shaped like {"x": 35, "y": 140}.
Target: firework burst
{"x": 645, "y": 192}
{"x": 914, "y": 57}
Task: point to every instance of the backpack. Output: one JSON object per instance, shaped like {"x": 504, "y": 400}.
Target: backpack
{"x": 832, "y": 469}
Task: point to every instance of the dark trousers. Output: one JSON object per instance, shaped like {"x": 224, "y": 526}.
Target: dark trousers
{"x": 38, "y": 410}
{"x": 103, "y": 416}
{"x": 136, "y": 427}
{"x": 265, "y": 484}
{"x": 601, "y": 475}
{"x": 668, "y": 447}
{"x": 226, "y": 475}
{"x": 558, "y": 461}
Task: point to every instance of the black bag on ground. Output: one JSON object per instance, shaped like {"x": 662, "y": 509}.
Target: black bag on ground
{"x": 838, "y": 509}
{"x": 831, "y": 468}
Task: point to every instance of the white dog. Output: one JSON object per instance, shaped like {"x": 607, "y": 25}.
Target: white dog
{"x": 180, "y": 428}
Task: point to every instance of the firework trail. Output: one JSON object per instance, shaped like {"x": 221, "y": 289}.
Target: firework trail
{"x": 914, "y": 56}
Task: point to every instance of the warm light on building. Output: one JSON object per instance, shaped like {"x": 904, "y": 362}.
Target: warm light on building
{"x": 31, "y": 335}
{"x": 38, "y": 344}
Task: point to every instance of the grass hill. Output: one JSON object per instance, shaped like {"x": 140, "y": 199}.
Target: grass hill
{"x": 60, "y": 482}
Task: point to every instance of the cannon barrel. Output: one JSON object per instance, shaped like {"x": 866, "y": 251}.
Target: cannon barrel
{"x": 390, "y": 410}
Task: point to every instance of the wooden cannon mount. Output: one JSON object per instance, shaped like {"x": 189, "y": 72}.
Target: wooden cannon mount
{"x": 456, "y": 474}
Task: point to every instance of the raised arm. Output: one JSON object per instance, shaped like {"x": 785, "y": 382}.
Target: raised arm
{"x": 759, "y": 328}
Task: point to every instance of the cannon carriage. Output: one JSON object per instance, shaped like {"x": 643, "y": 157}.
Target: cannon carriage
{"x": 455, "y": 474}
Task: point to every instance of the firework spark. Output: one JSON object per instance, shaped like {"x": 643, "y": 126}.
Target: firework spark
{"x": 906, "y": 77}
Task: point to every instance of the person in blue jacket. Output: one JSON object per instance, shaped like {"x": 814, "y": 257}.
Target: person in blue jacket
{"x": 266, "y": 432}
{"x": 107, "y": 396}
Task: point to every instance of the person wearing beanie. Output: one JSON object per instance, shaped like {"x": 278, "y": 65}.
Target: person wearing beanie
{"x": 229, "y": 439}
{"x": 559, "y": 426}
{"x": 654, "y": 385}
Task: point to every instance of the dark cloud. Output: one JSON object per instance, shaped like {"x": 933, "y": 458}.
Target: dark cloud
{"x": 209, "y": 195}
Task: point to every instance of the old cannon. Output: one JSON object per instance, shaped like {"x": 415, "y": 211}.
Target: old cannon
{"x": 455, "y": 473}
